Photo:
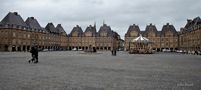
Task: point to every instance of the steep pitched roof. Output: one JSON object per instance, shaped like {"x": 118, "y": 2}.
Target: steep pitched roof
{"x": 170, "y": 28}
{"x": 106, "y": 29}
{"x": 77, "y": 29}
{"x": 190, "y": 23}
{"x": 33, "y": 23}
{"x": 197, "y": 20}
{"x": 116, "y": 35}
{"x": 13, "y": 18}
{"x": 51, "y": 28}
{"x": 133, "y": 28}
{"x": 44, "y": 30}
{"x": 91, "y": 29}
{"x": 0, "y": 24}
{"x": 151, "y": 28}
{"x": 60, "y": 28}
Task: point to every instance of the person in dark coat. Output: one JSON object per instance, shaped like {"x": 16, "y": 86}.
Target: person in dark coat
{"x": 34, "y": 54}
{"x": 115, "y": 52}
{"x": 112, "y": 51}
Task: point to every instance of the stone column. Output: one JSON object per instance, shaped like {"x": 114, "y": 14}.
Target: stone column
{"x": 21, "y": 47}
{"x": 25, "y": 48}
{"x": 10, "y": 48}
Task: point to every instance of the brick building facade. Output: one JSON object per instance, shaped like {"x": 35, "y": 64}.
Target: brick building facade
{"x": 190, "y": 35}
{"x": 167, "y": 38}
{"x": 19, "y": 35}
{"x": 104, "y": 39}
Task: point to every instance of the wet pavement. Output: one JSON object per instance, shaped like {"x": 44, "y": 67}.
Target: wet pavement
{"x": 76, "y": 70}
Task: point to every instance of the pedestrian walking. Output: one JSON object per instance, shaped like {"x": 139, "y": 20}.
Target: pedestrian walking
{"x": 34, "y": 54}
{"x": 115, "y": 52}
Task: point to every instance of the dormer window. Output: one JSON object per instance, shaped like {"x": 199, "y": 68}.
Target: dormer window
{"x": 151, "y": 34}
{"x": 75, "y": 34}
{"x": 17, "y": 26}
{"x": 6, "y": 26}
{"x": 168, "y": 34}
{"x": 88, "y": 34}
{"x": 103, "y": 34}
{"x": 133, "y": 33}
{"x": 24, "y": 28}
{"x": 15, "y": 13}
{"x": 32, "y": 17}
{"x": 13, "y": 26}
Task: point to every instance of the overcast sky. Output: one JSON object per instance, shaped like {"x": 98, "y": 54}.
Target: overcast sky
{"x": 119, "y": 14}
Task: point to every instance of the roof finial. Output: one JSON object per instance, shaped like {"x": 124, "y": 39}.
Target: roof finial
{"x": 168, "y": 23}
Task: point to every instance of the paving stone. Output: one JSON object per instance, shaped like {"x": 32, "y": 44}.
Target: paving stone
{"x": 75, "y": 70}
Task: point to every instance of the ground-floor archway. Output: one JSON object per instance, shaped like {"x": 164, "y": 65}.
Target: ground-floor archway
{"x": 6, "y": 47}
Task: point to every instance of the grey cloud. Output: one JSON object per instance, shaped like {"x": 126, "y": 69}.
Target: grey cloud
{"x": 119, "y": 14}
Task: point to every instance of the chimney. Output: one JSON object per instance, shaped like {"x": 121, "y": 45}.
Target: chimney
{"x": 189, "y": 20}
{"x": 59, "y": 24}
{"x": 32, "y": 17}
{"x": 168, "y": 24}
{"x": 15, "y": 13}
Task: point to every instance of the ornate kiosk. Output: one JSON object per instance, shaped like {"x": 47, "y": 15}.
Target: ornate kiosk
{"x": 140, "y": 45}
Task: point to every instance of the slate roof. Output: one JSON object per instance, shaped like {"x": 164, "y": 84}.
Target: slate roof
{"x": 170, "y": 28}
{"x": 190, "y": 23}
{"x": 51, "y": 28}
{"x": 44, "y": 30}
{"x": 92, "y": 29}
{"x": 133, "y": 28}
{"x": 116, "y": 35}
{"x": 33, "y": 23}
{"x": 77, "y": 29}
{"x": 1, "y": 25}
{"x": 106, "y": 29}
{"x": 13, "y": 18}
{"x": 151, "y": 28}
{"x": 60, "y": 29}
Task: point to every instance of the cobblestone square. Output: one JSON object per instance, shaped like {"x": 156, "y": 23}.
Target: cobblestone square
{"x": 75, "y": 70}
